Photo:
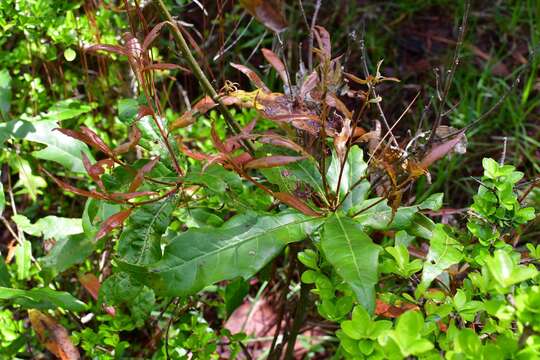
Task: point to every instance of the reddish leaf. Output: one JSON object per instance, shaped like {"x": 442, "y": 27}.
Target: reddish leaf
{"x": 95, "y": 141}
{"x": 295, "y": 203}
{"x": 94, "y": 171}
{"x": 267, "y": 12}
{"x": 91, "y": 284}
{"x": 152, "y": 35}
{"x": 53, "y": 335}
{"x": 216, "y": 141}
{"x": 89, "y": 137}
{"x": 282, "y": 142}
{"x": 67, "y": 187}
{"x": 390, "y": 311}
{"x": 112, "y": 222}
{"x": 144, "y": 111}
{"x": 242, "y": 159}
{"x": 276, "y": 63}
{"x": 107, "y": 48}
{"x": 252, "y": 75}
{"x": 439, "y": 151}
{"x": 272, "y": 161}
{"x": 134, "y": 137}
{"x": 139, "y": 177}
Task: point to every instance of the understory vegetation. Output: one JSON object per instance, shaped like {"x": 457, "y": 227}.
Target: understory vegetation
{"x": 267, "y": 179}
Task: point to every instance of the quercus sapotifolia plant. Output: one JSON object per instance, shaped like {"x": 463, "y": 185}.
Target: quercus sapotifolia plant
{"x": 310, "y": 172}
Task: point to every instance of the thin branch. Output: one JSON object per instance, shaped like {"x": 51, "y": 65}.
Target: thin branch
{"x": 199, "y": 74}
{"x": 450, "y": 76}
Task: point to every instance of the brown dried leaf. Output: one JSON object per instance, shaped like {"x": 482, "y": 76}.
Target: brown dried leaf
{"x": 272, "y": 161}
{"x": 268, "y": 12}
{"x": 295, "y": 203}
{"x": 112, "y": 222}
{"x": 252, "y": 75}
{"x": 276, "y": 63}
{"x": 309, "y": 84}
{"x": 440, "y": 150}
{"x": 323, "y": 39}
{"x": 139, "y": 177}
{"x": 53, "y": 335}
{"x": 340, "y": 141}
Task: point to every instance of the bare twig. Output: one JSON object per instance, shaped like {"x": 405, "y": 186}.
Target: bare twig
{"x": 199, "y": 74}
{"x": 450, "y": 74}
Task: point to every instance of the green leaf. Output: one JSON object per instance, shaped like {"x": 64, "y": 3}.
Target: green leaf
{"x": 127, "y": 110}
{"x": 354, "y": 171}
{"x": 5, "y": 277}
{"x": 444, "y": 251}
{"x": 215, "y": 178}
{"x": 68, "y": 251}
{"x": 378, "y": 215}
{"x": 49, "y": 227}
{"x": 42, "y": 298}
{"x": 5, "y": 93}
{"x": 67, "y": 109}
{"x": 203, "y": 256}
{"x": 421, "y": 226}
{"x": 2, "y": 197}
{"x": 23, "y": 259}
{"x": 407, "y": 337}
{"x": 235, "y": 292}
{"x": 30, "y": 183}
{"x": 506, "y": 272}
{"x": 60, "y": 148}
{"x": 140, "y": 241}
{"x": 433, "y": 202}
{"x": 353, "y": 255}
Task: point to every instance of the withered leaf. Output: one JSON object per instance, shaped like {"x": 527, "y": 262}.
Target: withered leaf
{"x": 252, "y": 75}
{"x": 267, "y": 12}
{"x": 440, "y": 150}
{"x": 323, "y": 39}
{"x": 53, "y": 335}
{"x": 276, "y": 63}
